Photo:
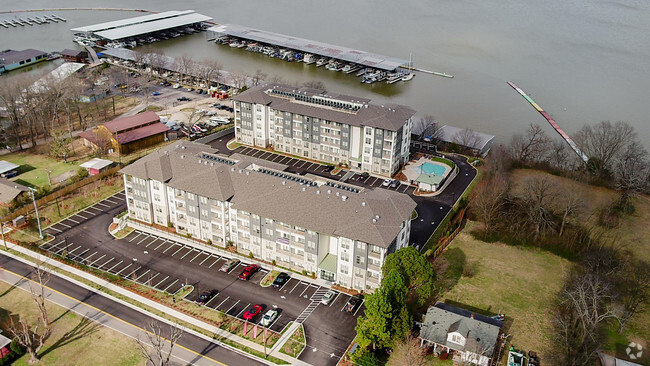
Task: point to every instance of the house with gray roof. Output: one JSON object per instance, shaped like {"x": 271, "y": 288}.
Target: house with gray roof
{"x": 338, "y": 232}
{"x": 470, "y": 337}
{"x": 9, "y": 191}
{"x": 319, "y": 125}
{"x": 477, "y": 143}
{"x": 12, "y": 59}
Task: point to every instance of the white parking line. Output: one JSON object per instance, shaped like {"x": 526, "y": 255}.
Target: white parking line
{"x": 88, "y": 258}
{"x": 95, "y": 261}
{"x": 83, "y": 217}
{"x": 134, "y": 271}
{"x": 76, "y": 257}
{"x": 218, "y": 306}
{"x": 179, "y": 249}
{"x": 275, "y": 321}
{"x": 343, "y": 307}
{"x": 110, "y": 269}
{"x": 145, "y": 272}
{"x": 172, "y": 284}
{"x": 171, "y": 246}
{"x": 101, "y": 204}
{"x": 122, "y": 270}
{"x": 208, "y": 257}
{"x": 108, "y": 200}
{"x": 135, "y": 237}
{"x": 200, "y": 252}
{"x": 294, "y": 287}
{"x": 74, "y": 250}
{"x": 75, "y": 221}
{"x": 276, "y": 157}
{"x": 300, "y": 166}
{"x": 155, "y": 240}
{"x": 159, "y": 283}
{"x": 65, "y": 225}
{"x": 95, "y": 208}
{"x": 406, "y": 189}
{"x": 242, "y": 310}
{"x": 55, "y": 229}
{"x": 161, "y": 244}
{"x": 359, "y": 307}
{"x": 52, "y": 246}
{"x": 143, "y": 239}
{"x": 107, "y": 262}
{"x": 235, "y": 304}
{"x": 215, "y": 262}
{"x": 306, "y": 288}
{"x": 188, "y": 252}
{"x": 151, "y": 279}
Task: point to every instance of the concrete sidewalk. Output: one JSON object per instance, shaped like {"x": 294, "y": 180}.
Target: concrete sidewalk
{"x": 176, "y": 314}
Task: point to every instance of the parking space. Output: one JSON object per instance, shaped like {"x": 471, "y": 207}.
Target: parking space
{"x": 86, "y": 214}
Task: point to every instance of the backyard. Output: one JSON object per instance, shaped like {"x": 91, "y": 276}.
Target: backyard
{"x": 75, "y": 340}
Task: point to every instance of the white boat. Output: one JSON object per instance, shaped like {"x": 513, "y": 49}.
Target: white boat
{"x": 394, "y": 77}
{"x": 334, "y": 66}
{"x": 408, "y": 76}
{"x": 309, "y": 58}
{"x": 322, "y": 61}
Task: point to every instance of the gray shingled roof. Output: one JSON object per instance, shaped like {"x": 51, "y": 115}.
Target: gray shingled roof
{"x": 321, "y": 209}
{"x": 387, "y": 116}
{"x": 10, "y": 190}
{"x": 8, "y": 57}
{"x": 480, "y": 335}
{"x": 451, "y": 134}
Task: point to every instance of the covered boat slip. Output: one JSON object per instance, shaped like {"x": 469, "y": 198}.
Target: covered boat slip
{"x": 131, "y": 27}
{"x": 367, "y": 59}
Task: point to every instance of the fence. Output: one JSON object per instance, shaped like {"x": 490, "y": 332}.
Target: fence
{"x": 443, "y": 243}
{"x": 28, "y": 207}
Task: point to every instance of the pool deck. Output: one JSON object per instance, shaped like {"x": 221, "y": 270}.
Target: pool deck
{"x": 412, "y": 172}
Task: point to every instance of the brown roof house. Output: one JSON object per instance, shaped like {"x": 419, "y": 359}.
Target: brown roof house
{"x": 470, "y": 337}
{"x": 127, "y": 134}
{"x": 10, "y": 191}
{"x": 74, "y": 56}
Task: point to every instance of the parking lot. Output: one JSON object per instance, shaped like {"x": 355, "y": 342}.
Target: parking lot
{"x": 167, "y": 265}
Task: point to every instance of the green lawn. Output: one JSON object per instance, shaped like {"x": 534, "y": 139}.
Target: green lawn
{"x": 74, "y": 340}
{"x": 520, "y": 283}
{"x": 34, "y": 168}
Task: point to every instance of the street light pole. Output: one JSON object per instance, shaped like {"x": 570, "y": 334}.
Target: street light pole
{"x": 38, "y": 219}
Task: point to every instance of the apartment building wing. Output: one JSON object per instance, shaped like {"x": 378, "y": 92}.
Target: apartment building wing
{"x": 300, "y": 222}
{"x": 338, "y": 129}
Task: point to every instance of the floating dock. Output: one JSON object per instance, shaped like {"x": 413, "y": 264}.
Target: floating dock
{"x": 552, "y": 122}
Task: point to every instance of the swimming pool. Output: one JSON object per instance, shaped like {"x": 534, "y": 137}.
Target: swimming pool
{"x": 430, "y": 168}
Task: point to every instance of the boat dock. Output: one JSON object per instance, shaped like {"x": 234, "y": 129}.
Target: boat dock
{"x": 34, "y": 20}
{"x": 552, "y": 122}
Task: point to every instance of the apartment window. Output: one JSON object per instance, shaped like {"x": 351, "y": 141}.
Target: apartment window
{"x": 360, "y": 260}
{"x": 361, "y": 245}
{"x": 191, "y": 196}
{"x": 368, "y": 131}
{"x": 204, "y": 200}
{"x": 311, "y": 245}
{"x": 344, "y": 269}
{"x": 345, "y": 257}
{"x": 368, "y": 140}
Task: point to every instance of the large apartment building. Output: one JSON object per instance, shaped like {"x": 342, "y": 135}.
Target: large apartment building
{"x": 337, "y": 129}
{"x": 338, "y": 232}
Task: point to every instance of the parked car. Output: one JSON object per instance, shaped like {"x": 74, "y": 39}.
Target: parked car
{"x": 176, "y": 86}
{"x": 206, "y": 296}
{"x": 200, "y": 129}
{"x": 155, "y": 93}
{"x": 353, "y": 304}
{"x": 329, "y": 295}
{"x": 190, "y": 89}
{"x": 211, "y": 112}
{"x": 199, "y": 91}
{"x": 269, "y": 317}
{"x": 395, "y": 183}
{"x": 386, "y": 182}
{"x": 183, "y": 99}
{"x": 249, "y": 271}
{"x": 364, "y": 176}
{"x": 10, "y": 174}
{"x": 282, "y": 278}
{"x": 217, "y": 105}
{"x": 229, "y": 265}
{"x": 252, "y": 312}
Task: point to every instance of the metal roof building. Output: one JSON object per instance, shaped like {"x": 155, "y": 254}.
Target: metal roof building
{"x": 131, "y": 27}
{"x": 314, "y": 47}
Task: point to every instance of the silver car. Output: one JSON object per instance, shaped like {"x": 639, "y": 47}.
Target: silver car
{"x": 269, "y": 317}
{"x": 329, "y": 295}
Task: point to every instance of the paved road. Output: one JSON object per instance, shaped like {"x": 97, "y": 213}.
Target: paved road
{"x": 124, "y": 319}
{"x": 166, "y": 265}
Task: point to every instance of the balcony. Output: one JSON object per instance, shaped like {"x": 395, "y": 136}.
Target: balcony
{"x": 374, "y": 267}
{"x": 375, "y": 255}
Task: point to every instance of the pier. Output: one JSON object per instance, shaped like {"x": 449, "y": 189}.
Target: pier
{"x": 552, "y": 122}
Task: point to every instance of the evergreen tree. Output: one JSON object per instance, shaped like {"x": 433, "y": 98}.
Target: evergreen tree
{"x": 417, "y": 271}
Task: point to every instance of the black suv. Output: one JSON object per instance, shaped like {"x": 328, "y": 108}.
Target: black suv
{"x": 282, "y": 278}
{"x": 206, "y": 296}
{"x": 183, "y": 99}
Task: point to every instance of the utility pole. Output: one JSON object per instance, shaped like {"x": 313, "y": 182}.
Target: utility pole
{"x": 38, "y": 219}
{"x": 119, "y": 153}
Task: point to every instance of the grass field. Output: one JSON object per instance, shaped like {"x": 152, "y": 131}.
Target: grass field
{"x": 34, "y": 168}
{"x": 74, "y": 340}
{"x": 520, "y": 283}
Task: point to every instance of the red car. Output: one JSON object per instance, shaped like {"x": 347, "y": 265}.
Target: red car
{"x": 248, "y": 271}
{"x": 252, "y": 312}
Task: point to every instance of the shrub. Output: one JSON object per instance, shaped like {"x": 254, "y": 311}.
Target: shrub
{"x": 16, "y": 347}
{"x": 250, "y": 255}
{"x": 209, "y": 242}
{"x": 273, "y": 262}
{"x": 188, "y": 235}
{"x": 470, "y": 269}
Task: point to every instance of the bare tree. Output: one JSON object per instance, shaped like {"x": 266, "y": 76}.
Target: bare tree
{"x": 159, "y": 354}
{"x": 634, "y": 292}
{"x": 239, "y": 79}
{"x": 467, "y": 138}
{"x": 538, "y": 196}
{"x": 603, "y": 142}
{"x": 488, "y": 199}
{"x": 631, "y": 170}
{"x": 408, "y": 353}
{"x": 532, "y": 146}
{"x": 184, "y": 65}
{"x": 315, "y": 84}
{"x": 571, "y": 202}
{"x": 33, "y": 336}
{"x": 210, "y": 71}
{"x": 427, "y": 126}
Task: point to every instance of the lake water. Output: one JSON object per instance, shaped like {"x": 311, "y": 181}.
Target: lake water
{"x": 582, "y": 61}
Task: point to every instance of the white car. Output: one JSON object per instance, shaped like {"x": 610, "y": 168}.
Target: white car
{"x": 176, "y": 86}
{"x": 269, "y": 317}
{"x": 329, "y": 295}
{"x": 386, "y": 182}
